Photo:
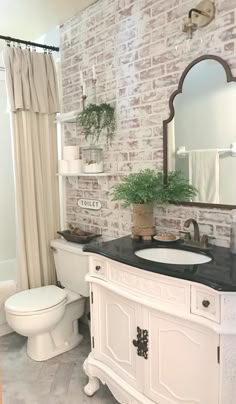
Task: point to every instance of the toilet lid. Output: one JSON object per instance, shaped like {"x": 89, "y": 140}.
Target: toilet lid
{"x": 37, "y": 299}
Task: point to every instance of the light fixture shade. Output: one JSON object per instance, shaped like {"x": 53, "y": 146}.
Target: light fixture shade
{"x": 189, "y": 27}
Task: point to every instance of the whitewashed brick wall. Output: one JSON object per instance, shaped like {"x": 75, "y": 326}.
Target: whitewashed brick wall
{"x": 139, "y": 52}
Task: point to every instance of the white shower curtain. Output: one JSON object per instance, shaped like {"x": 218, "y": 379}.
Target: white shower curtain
{"x": 33, "y": 99}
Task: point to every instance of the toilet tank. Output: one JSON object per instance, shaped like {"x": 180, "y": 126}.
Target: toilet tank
{"x": 71, "y": 265}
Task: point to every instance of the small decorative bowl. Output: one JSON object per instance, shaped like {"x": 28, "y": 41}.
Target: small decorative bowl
{"x": 84, "y": 238}
{"x": 166, "y": 238}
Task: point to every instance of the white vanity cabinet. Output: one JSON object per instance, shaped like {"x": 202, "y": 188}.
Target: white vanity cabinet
{"x": 158, "y": 339}
{"x": 115, "y": 318}
{"x": 183, "y": 365}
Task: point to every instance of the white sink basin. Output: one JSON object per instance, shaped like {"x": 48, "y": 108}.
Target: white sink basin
{"x": 172, "y": 256}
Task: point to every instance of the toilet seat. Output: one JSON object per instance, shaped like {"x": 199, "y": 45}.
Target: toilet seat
{"x": 35, "y": 301}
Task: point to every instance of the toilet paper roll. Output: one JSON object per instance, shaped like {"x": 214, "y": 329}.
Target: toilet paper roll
{"x": 63, "y": 167}
{"x": 75, "y": 166}
{"x": 71, "y": 152}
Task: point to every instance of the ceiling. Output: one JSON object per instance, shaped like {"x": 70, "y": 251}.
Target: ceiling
{"x": 29, "y": 19}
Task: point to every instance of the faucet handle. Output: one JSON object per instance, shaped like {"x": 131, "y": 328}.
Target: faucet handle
{"x": 187, "y": 235}
{"x": 205, "y": 240}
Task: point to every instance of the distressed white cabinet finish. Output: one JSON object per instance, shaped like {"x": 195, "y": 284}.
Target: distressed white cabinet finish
{"x": 115, "y": 319}
{"x": 190, "y": 357}
{"x": 182, "y": 364}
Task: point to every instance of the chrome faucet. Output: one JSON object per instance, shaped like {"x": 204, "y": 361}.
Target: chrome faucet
{"x": 197, "y": 241}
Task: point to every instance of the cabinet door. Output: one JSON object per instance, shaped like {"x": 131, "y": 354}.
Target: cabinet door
{"x": 183, "y": 365}
{"x": 115, "y": 320}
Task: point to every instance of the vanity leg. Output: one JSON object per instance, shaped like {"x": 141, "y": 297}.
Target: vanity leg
{"x": 92, "y": 386}
{"x": 93, "y": 383}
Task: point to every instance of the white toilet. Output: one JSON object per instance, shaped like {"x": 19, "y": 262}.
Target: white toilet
{"x": 49, "y": 315}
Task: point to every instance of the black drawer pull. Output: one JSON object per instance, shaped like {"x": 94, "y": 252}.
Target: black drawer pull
{"x": 206, "y": 303}
{"x": 97, "y": 267}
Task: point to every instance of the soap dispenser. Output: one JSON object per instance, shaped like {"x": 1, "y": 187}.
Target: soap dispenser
{"x": 233, "y": 233}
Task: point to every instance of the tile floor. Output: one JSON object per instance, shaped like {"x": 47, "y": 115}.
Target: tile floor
{"x": 57, "y": 381}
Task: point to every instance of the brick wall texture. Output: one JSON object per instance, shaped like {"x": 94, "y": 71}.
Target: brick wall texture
{"x": 139, "y": 52}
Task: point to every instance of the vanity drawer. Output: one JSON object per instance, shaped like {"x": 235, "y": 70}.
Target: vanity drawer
{"x": 98, "y": 268}
{"x": 159, "y": 289}
{"x": 205, "y": 303}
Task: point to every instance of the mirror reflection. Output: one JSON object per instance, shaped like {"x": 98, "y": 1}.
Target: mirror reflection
{"x": 202, "y": 135}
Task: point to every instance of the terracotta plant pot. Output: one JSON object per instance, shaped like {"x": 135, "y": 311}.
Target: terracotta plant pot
{"x": 143, "y": 221}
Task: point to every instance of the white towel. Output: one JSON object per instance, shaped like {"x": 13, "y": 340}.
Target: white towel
{"x": 171, "y": 146}
{"x": 204, "y": 174}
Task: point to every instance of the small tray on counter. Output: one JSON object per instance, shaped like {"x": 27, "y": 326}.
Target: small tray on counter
{"x": 82, "y": 238}
{"x": 166, "y": 240}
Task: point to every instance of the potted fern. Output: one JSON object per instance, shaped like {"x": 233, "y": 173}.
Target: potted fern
{"x": 141, "y": 190}
{"x": 96, "y": 121}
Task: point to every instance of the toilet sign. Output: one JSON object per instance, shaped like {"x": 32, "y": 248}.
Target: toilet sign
{"x": 89, "y": 204}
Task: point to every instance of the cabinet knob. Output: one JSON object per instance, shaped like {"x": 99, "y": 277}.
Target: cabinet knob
{"x": 206, "y": 303}
{"x": 97, "y": 267}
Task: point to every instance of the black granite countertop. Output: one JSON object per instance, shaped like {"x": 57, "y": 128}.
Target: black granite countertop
{"x": 219, "y": 274}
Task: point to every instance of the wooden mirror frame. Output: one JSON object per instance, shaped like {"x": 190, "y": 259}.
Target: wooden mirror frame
{"x": 229, "y": 78}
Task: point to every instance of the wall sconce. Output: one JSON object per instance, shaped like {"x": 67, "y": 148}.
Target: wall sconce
{"x": 199, "y": 17}
{"x": 83, "y": 87}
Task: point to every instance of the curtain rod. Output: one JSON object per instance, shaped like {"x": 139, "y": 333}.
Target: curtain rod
{"x": 22, "y": 41}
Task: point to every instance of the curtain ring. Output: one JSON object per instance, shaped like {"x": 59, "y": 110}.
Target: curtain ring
{"x": 8, "y": 43}
{"x": 45, "y": 51}
{"x": 34, "y": 48}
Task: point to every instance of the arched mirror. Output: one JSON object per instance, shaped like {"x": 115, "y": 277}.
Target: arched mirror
{"x": 200, "y": 134}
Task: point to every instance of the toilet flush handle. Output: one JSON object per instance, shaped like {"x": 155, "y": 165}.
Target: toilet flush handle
{"x": 53, "y": 249}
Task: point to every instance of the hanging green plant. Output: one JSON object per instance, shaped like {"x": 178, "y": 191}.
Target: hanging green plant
{"x": 96, "y": 121}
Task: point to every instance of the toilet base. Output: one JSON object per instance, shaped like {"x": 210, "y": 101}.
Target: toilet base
{"x": 62, "y": 338}
{"x": 42, "y": 347}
